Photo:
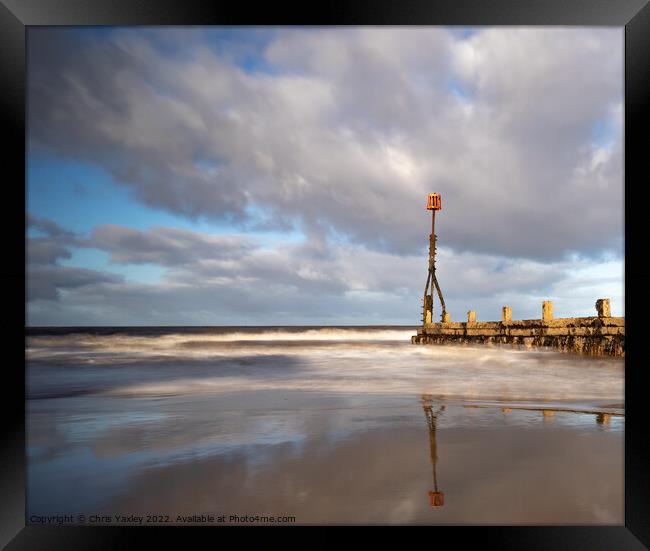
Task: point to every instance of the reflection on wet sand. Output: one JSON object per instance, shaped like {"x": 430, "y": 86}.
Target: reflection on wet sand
{"x": 431, "y": 413}
{"x": 601, "y": 417}
{"x": 344, "y": 471}
{"x": 436, "y": 498}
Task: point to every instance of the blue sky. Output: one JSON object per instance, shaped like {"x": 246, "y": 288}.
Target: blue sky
{"x": 80, "y": 195}
{"x": 278, "y": 175}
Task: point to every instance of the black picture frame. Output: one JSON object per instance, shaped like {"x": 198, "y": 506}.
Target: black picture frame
{"x": 633, "y": 15}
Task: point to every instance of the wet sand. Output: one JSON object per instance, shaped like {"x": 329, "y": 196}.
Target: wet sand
{"x": 336, "y": 459}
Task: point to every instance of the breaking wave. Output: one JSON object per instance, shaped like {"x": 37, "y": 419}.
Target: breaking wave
{"x": 337, "y": 360}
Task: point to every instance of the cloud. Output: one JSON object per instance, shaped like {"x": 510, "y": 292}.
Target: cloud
{"x": 54, "y": 245}
{"x": 47, "y": 226}
{"x": 231, "y": 280}
{"x": 165, "y": 246}
{"x": 48, "y": 282}
{"x": 46, "y": 278}
{"x": 342, "y": 132}
{"x": 44, "y": 251}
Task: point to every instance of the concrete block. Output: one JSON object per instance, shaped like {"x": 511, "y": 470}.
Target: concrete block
{"x": 603, "y": 308}
{"x": 471, "y": 316}
{"x": 547, "y": 310}
{"x": 506, "y": 313}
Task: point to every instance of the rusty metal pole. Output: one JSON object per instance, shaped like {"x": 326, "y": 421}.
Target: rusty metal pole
{"x": 432, "y": 248}
{"x": 433, "y": 222}
{"x": 433, "y": 204}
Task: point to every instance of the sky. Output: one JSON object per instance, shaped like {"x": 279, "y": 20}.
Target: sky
{"x": 279, "y": 176}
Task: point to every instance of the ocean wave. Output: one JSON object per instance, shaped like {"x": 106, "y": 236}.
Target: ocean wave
{"x": 340, "y": 360}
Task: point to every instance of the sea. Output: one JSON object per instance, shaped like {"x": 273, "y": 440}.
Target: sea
{"x": 316, "y": 425}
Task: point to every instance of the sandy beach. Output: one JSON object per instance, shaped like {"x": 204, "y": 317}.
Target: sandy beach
{"x": 329, "y": 428}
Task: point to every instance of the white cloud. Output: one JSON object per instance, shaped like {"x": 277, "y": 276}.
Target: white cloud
{"x": 352, "y": 127}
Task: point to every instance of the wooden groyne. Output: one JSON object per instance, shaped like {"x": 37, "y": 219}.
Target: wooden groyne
{"x": 601, "y": 335}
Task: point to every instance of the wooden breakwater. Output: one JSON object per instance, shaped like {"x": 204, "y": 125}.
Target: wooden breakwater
{"x": 601, "y": 335}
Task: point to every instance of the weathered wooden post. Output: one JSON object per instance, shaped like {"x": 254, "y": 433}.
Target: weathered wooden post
{"x": 471, "y": 316}
{"x": 603, "y": 308}
{"x": 428, "y": 309}
{"x": 506, "y": 313}
{"x": 547, "y": 310}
